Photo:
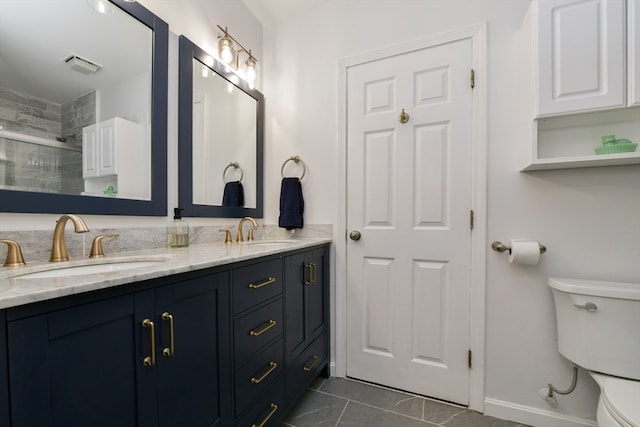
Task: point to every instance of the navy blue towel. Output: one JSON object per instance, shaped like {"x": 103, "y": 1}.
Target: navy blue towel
{"x": 233, "y": 194}
{"x": 291, "y": 204}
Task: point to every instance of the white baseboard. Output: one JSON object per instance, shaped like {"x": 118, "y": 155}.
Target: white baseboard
{"x": 531, "y": 416}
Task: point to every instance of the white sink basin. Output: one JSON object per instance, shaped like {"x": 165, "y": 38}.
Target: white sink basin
{"x": 79, "y": 270}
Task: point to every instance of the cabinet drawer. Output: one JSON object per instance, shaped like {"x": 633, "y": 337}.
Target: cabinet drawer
{"x": 306, "y": 367}
{"x": 256, "y": 329}
{"x": 255, "y": 377}
{"x": 268, "y": 411}
{"x": 256, "y": 283}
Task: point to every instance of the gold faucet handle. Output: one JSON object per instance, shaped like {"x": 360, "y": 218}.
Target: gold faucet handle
{"x": 227, "y": 236}
{"x": 96, "y": 246}
{"x": 250, "y": 236}
{"x": 14, "y": 254}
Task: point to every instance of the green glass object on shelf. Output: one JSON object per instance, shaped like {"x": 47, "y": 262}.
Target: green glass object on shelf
{"x": 611, "y": 145}
{"x": 110, "y": 190}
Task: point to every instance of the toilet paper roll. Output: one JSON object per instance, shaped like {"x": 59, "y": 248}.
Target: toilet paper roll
{"x": 526, "y": 252}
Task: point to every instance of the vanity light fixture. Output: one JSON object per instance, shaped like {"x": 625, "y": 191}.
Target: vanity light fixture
{"x": 229, "y": 55}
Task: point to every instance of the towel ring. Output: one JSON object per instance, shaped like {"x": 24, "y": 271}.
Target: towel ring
{"x": 295, "y": 159}
{"x": 235, "y": 165}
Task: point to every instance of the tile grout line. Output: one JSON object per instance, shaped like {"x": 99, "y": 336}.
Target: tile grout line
{"x": 342, "y": 413}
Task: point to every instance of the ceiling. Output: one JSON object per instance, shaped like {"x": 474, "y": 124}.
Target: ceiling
{"x": 270, "y": 11}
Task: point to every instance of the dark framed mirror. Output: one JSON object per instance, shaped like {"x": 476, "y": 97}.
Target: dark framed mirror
{"x": 221, "y": 135}
{"x": 88, "y": 129}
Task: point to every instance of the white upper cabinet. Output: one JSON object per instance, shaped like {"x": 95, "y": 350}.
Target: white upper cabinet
{"x": 633, "y": 41}
{"x": 579, "y": 48}
{"x": 114, "y": 155}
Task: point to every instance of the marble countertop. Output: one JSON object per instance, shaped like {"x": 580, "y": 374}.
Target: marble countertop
{"x": 16, "y": 288}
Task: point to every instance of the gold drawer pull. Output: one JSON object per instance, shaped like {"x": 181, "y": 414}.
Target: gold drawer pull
{"x": 272, "y": 367}
{"x": 151, "y": 359}
{"x": 168, "y": 351}
{"x": 312, "y": 268}
{"x": 274, "y": 408}
{"x": 315, "y": 361}
{"x": 271, "y": 324}
{"x": 269, "y": 281}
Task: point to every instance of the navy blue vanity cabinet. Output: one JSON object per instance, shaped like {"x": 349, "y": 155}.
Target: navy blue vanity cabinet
{"x": 307, "y": 318}
{"x": 154, "y": 357}
{"x": 258, "y": 342}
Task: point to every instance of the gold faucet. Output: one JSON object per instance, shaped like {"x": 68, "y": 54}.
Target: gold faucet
{"x": 239, "y": 236}
{"x": 14, "y": 254}
{"x": 59, "y": 248}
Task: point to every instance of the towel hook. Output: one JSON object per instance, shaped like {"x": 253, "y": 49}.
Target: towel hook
{"x": 295, "y": 159}
{"x": 235, "y": 165}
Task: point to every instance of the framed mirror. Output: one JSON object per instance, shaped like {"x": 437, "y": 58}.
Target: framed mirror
{"x": 221, "y": 133}
{"x": 83, "y": 101}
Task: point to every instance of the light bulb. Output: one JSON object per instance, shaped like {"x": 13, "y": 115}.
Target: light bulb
{"x": 250, "y": 72}
{"x": 225, "y": 49}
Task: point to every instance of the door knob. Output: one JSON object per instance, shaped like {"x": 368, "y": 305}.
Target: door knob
{"x": 355, "y": 235}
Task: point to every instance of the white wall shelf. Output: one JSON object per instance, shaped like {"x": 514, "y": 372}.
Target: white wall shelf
{"x": 584, "y": 161}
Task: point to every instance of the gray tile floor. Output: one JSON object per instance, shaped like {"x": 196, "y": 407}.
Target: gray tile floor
{"x": 334, "y": 402}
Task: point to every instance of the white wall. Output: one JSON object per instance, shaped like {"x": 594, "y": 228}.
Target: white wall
{"x": 589, "y": 219}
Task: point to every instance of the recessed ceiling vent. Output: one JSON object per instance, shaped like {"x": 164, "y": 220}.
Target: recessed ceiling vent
{"x": 82, "y": 65}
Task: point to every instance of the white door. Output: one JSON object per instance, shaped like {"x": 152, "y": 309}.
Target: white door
{"x": 409, "y": 196}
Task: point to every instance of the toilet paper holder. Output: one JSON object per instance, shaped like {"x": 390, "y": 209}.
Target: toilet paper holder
{"x": 501, "y": 247}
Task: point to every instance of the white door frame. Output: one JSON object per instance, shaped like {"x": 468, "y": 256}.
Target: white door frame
{"x": 477, "y": 34}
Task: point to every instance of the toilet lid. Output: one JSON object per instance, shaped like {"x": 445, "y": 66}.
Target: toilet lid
{"x": 622, "y": 399}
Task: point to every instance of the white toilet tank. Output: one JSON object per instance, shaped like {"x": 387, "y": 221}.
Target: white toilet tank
{"x": 599, "y": 325}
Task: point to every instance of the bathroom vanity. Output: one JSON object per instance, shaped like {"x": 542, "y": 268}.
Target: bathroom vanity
{"x": 216, "y": 335}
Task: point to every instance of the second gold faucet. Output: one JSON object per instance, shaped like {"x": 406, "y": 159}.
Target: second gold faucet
{"x": 254, "y": 223}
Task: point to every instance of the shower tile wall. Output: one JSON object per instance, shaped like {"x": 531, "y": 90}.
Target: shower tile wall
{"x": 38, "y": 168}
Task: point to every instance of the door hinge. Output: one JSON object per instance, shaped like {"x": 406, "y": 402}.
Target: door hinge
{"x": 471, "y": 219}
{"x": 473, "y": 78}
{"x": 469, "y": 359}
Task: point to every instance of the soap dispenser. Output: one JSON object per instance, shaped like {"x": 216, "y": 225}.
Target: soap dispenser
{"x": 177, "y": 231}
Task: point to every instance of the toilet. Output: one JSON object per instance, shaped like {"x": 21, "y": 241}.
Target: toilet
{"x": 599, "y": 330}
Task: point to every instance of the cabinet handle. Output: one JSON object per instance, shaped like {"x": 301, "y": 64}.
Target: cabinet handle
{"x": 269, "y": 281}
{"x": 316, "y": 359}
{"x": 271, "y": 324}
{"x": 151, "y": 359}
{"x": 272, "y": 367}
{"x": 307, "y": 268}
{"x": 274, "y": 408}
{"x": 311, "y": 267}
{"x": 168, "y": 351}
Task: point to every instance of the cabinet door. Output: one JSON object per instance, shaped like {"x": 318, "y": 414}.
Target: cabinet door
{"x": 80, "y": 367}
{"x": 580, "y": 55}
{"x": 108, "y": 145}
{"x": 306, "y": 300}
{"x": 633, "y": 41}
{"x": 193, "y": 362}
{"x": 89, "y": 152}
